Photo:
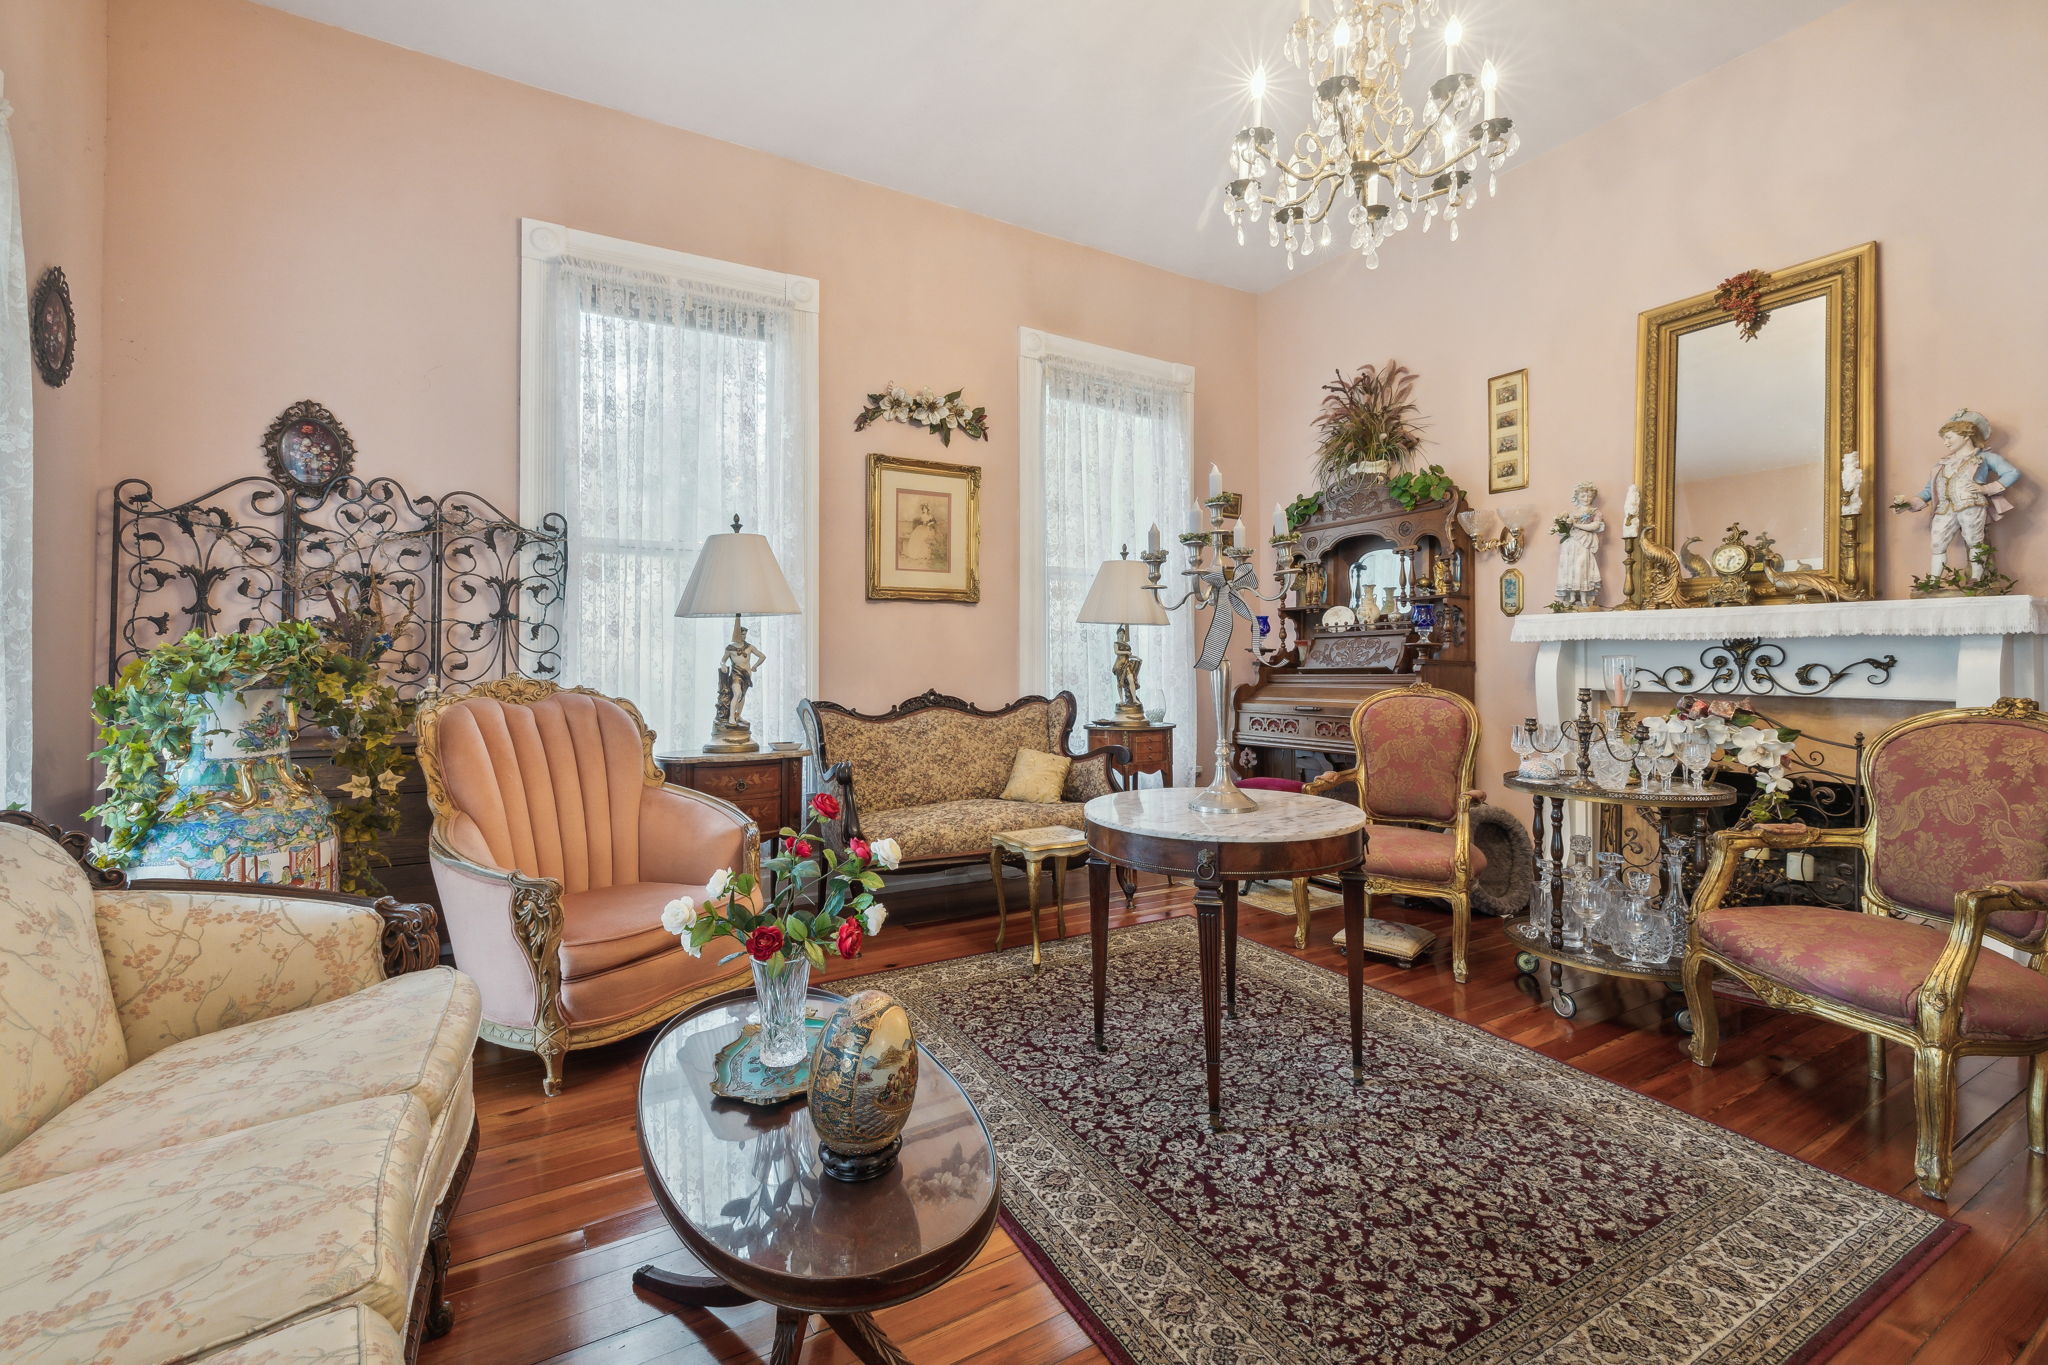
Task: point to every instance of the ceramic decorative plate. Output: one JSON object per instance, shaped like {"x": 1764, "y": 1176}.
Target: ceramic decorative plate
{"x": 738, "y": 1074}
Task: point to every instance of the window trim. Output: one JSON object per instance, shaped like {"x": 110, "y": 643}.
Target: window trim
{"x": 1033, "y": 346}
{"x": 541, "y": 244}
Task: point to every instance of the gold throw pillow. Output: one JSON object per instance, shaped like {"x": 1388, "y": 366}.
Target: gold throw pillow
{"x": 1037, "y": 777}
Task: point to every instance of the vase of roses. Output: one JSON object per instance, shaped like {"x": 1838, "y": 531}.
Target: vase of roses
{"x": 823, "y": 904}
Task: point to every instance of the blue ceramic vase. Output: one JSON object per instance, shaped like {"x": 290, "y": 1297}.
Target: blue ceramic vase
{"x": 252, "y": 815}
{"x": 863, "y": 1080}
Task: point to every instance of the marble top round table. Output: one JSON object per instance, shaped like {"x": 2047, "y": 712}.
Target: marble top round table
{"x": 1287, "y": 835}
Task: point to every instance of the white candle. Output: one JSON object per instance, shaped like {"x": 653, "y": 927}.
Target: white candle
{"x": 1489, "y": 78}
{"x": 1259, "y": 98}
{"x": 1237, "y": 534}
{"x": 1152, "y": 539}
{"x": 1454, "y": 33}
{"x": 1304, "y": 9}
{"x": 1201, "y": 516}
{"x": 1215, "y": 482}
{"x": 1279, "y": 520}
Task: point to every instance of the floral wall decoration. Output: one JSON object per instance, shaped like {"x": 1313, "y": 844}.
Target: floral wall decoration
{"x": 1742, "y": 298}
{"x": 925, "y": 410}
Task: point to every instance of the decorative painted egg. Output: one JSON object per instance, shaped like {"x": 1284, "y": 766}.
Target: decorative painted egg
{"x": 863, "y": 1080}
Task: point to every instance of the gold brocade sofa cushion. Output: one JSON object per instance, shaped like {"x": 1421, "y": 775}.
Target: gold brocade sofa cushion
{"x": 949, "y": 829}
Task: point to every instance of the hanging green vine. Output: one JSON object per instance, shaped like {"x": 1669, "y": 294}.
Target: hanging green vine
{"x": 149, "y": 719}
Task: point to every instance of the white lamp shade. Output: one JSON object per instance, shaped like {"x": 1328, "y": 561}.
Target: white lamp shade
{"x": 736, "y": 575}
{"x": 1118, "y": 596}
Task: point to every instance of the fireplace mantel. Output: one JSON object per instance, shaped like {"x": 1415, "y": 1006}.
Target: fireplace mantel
{"x": 1949, "y": 651}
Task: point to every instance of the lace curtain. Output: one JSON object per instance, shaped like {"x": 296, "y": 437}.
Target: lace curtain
{"x": 1116, "y": 456}
{"x": 17, "y": 479}
{"x": 676, "y": 405}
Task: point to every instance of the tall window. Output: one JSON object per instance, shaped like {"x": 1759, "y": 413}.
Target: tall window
{"x": 17, "y": 486}
{"x": 1108, "y": 451}
{"x": 662, "y": 395}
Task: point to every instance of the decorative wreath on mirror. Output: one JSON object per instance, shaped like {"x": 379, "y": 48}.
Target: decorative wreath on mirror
{"x": 53, "y": 327}
{"x": 1742, "y": 298}
{"x": 307, "y": 448}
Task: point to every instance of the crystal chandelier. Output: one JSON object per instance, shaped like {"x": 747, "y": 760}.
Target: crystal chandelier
{"x": 1365, "y": 146}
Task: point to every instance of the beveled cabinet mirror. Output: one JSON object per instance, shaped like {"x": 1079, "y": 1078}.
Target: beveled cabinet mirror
{"x": 1775, "y": 433}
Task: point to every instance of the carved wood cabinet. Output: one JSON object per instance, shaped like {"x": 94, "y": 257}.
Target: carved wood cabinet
{"x": 1293, "y": 719}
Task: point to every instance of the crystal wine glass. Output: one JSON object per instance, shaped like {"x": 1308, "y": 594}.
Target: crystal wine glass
{"x": 1666, "y": 765}
{"x": 1696, "y": 753}
{"x": 1646, "y": 759}
{"x": 1519, "y": 740}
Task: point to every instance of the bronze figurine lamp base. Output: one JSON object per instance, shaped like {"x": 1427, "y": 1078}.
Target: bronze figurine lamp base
{"x": 736, "y": 575}
{"x": 1119, "y": 597}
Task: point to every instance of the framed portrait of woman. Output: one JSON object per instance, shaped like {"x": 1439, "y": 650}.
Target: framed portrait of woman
{"x": 924, "y": 531}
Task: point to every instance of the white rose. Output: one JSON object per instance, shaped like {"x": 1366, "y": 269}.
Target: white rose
{"x": 678, "y": 915}
{"x": 692, "y": 949}
{"x": 872, "y": 918}
{"x": 888, "y": 854}
{"x": 715, "y": 888}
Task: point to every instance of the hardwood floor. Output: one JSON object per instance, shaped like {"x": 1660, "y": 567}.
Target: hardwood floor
{"x": 558, "y": 1215}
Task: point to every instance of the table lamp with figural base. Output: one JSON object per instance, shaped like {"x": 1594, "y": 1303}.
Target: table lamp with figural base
{"x": 736, "y": 575}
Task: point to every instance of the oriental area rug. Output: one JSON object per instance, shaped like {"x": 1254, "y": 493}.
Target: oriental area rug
{"x": 1472, "y": 1203}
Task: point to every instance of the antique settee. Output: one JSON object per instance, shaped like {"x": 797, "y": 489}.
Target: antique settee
{"x": 555, "y": 846}
{"x": 930, "y": 772}
{"x": 233, "y": 1119}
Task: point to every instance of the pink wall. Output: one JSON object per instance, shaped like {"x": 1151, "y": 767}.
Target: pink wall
{"x": 300, "y": 212}
{"x": 1870, "y": 123}
{"x": 55, "y": 55}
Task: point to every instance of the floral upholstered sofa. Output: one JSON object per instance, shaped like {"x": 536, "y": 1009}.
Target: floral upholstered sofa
{"x": 233, "y": 1120}
{"x": 930, "y": 772}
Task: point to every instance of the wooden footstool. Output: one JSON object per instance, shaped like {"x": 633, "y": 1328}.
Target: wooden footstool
{"x": 1032, "y": 847}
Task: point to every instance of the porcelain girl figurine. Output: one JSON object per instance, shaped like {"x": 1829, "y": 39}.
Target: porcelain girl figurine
{"x": 1578, "y": 557}
{"x": 1964, "y": 491}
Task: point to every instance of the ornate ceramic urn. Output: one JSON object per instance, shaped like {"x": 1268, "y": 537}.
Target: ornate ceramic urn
{"x": 244, "y": 811}
{"x": 863, "y": 1079}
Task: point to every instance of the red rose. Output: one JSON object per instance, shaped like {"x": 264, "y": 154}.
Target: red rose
{"x": 858, "y": 847}
{"x": 826, "y": 805}
{"x": 849, "y": 937}
{"x": 764, "y": 943}
{"x": 801, "y": 848}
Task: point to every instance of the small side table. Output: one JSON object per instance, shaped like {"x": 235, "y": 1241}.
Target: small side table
{"x": 768, "y": 785}
{"x": 1032, "y": 847}
{"x": 1151, "y": 748}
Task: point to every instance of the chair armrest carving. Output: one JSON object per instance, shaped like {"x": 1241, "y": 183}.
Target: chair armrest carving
{"x": 412, "y": 936}
{"x": 532, "y": 916}
{"x": 1330, "y": 781}
{"x": 1097, "y": 772}
{"x": 1948, "y": 980}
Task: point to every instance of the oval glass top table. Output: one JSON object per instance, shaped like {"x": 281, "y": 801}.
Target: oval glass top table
{"x": 1287, "y": 835}
{"x": 745, "y": 1190}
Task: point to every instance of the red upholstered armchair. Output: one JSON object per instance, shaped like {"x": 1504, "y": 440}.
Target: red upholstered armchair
{"x": 1416, "y": 747}
{"x": 555, "y": 846}
{"x": 1956, "y": 852}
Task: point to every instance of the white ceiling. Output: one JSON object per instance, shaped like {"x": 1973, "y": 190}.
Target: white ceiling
{"x": 1103, "y": 122}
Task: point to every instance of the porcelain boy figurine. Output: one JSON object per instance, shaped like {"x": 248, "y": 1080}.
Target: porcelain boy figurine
{"x": 1964, "y": 491}
{"x": 1578, "y": 557}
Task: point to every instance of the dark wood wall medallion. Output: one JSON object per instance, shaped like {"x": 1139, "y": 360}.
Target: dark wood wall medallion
{"x": 53, "y": 327}
{"x": 307, "y": 448}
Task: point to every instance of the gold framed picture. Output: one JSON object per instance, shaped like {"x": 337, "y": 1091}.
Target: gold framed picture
{"x": 1511, "y": 592}
{"x": 1507, "y": 432}
{"x": 924, "y": 531}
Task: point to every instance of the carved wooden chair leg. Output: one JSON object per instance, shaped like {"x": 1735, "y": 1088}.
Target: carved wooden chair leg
{"x": 1461, "y": 930}
{"x": 1301, "y": 912}
{"x": 551, "y": 1058}
{"x": 2037, "y": 1104}
{"x": 1698, "y": 975}
{"x": 1934, "y": 1105}
{"x": 1876, "y": 1063}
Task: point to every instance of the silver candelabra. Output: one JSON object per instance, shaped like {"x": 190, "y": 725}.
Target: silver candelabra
{"x": 1221, "y": 580}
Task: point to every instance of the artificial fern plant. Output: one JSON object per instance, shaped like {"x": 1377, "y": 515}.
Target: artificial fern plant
{"x": 1369, "y": 417}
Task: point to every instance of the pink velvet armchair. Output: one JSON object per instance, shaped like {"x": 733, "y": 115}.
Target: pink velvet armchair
{"x": 1955, "y": 853}
{"x": 555, "y": 846}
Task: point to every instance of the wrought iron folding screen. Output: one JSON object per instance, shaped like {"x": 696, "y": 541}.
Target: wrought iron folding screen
{"x": 466, "y": 592}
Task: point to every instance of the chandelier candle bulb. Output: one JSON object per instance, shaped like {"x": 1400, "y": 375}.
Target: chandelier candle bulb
{"x": 1454, "y": 32}
{"x": 1489, "y": 81}
{"x": 1215, "y": 482}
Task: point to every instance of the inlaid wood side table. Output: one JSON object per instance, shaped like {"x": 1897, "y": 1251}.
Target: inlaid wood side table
{"x": 746, "y": 1192}
{"x": 1289, "y": 835}
{"x": 1150, "y": 748}
{"x": 768, "y": 785}
{"x": 1033, "y": 848}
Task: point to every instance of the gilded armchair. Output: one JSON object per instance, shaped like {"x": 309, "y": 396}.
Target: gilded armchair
{"x": 1956, "y": 852}
{"x": 1417, "y": 747}
{"x": 555, "y": 845}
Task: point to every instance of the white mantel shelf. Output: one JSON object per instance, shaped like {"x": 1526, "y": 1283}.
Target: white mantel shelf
{"x": 1947, "y": 651}
{"x": 1923, "y": 616}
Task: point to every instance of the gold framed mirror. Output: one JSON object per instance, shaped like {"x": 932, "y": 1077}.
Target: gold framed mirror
{"x": 1777, "y": 433}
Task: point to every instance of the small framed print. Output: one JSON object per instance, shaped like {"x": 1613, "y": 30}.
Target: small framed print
{"x": 1507, "y": 432}
{"x": 53, "y": 328}
{"x": 307, "y": 448}
{"x": 1511, "y": 592}
{"x": 924, "y": 531}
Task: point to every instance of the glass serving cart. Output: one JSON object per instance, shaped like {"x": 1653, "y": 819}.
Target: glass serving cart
{"x": 1618, "y": 768}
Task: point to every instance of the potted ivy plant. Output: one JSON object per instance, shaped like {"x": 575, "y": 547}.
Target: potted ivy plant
{"x": 194, "y": 745}
{"x": 1367, "y": 424}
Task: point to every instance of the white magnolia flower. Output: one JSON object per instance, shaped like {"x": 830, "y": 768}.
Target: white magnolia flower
{"x": 871, "y": 919}
{"x": 720, "y": 880}
{"x": 1760, "y": 748}
{"x": 1716, "y": 731}
{"x": 888, "y": 854}
{"x": 678, "y": 915}
{"x": 1670, "y": 729}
